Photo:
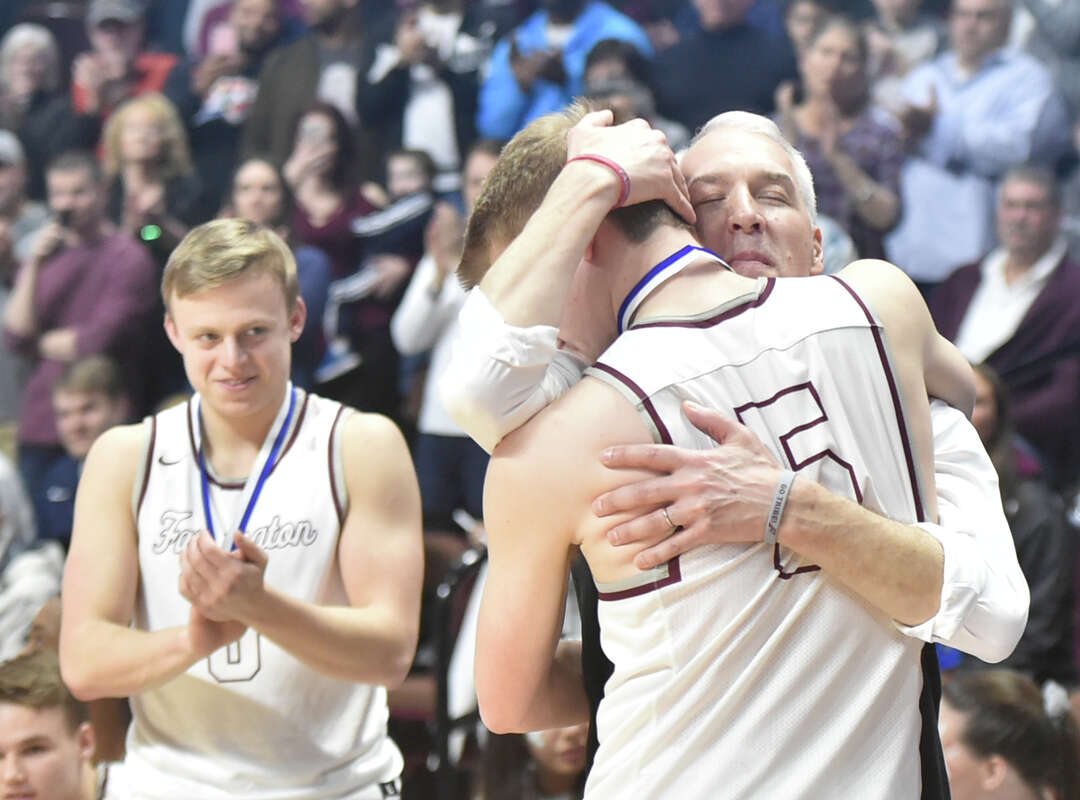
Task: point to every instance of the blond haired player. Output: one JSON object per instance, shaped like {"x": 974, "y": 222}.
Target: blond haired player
{"x": 246, "y": 566}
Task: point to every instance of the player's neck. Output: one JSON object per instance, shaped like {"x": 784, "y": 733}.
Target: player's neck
{"x": 693, "y": 289}
{"x": 232, "y": 443}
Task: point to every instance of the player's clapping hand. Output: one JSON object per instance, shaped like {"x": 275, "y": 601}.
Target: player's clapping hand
{"x": 223, "y": 586}
{"x": 716, "y": 496}
{"x": 639, "y": 149}
{"x": 206, "y": 635}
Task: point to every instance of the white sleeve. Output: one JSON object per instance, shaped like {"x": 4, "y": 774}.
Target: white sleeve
{"x": 500, "y": 375}
{"x": 421, "y": 318}
{"x": 984, "y": 596}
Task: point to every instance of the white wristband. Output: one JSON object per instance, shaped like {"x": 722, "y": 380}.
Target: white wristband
{"x": 772, "y": 522}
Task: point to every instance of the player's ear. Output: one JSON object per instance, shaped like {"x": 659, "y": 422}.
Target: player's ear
{"x": 171, "y": 331}
{"x": 297, "y": 318}
{"x": 817, "y": 262}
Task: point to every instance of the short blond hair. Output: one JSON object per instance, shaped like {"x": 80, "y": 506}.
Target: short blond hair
{"x": 175, "y": 151}
{"x": 516, "y": 187}
{"x": 220, "y": 251}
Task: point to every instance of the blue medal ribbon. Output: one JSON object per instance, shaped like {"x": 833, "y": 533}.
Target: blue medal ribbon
{"x": 204, "y": 474}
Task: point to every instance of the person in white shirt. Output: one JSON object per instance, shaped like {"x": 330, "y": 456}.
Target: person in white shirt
{"x": 1016, "y": 310}
{"x": 449, "y": 465}
{"x": 508, "y": 364}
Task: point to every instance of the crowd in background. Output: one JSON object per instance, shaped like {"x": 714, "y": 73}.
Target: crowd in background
{"x": 942, "y": 136}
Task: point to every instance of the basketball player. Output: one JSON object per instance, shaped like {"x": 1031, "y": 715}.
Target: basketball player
{"x": 728, "y": 665}
{"x": 246, "y": 566}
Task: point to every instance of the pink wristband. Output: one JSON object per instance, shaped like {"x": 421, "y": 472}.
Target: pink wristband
{"x": 624, "y": 178}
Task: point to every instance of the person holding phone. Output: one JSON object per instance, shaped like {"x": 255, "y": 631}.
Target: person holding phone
{"x": 85, "y": 289}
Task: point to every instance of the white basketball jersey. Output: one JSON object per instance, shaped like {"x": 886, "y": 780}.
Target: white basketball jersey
{"x": 741, "y": 671}
{"x": 250, "y": 721}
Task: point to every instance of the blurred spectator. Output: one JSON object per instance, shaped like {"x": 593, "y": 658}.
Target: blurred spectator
{"x": 20, "y": 218}
{"x": 214, "y": 94}
{"x": 1006, "y": 740}
{"x": 85, "y": 289}
{"x": 1055, "y": 40}
{"x": 117, "y": 67}
{"x": 46, "y": 739}
{"x": 32, "y": 102}
{"x": 801, "y": 19}
{"x": 1018, "y": 311}
{"x": 1070, "y": 198}
{"x": 88, "y": 399}
{"x": 729, "y": 64}
{"x": 420, "y": 92}
{"x": 154, "y": 193}
{"x": 259, "y": 194}
{"x": 319, "y": 173}
{"x": 540, "y": 66}
{"x": 29, "y": 64}
{"x": 1045, "y": 544}
{"x": 215, "y": 33}
{"x": 29, "y": 574}
{"x": 532, "y": 766}
{"x": 617, "y": 75}
{"x": 854, "y": 154}
{"x": 901, "y": 36}
{"x": 324, "y": 65}
{"x": 202, "y": 17}
{"x": 973, "y": 112}
{"x": 359, "y": 307}
{"x": 449, "y": 465}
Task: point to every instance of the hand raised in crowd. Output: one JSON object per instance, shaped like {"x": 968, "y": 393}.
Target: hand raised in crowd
{"x": 222, "y": 586}
{"x": 213, "y": 67}
{"x": 917, "y": 120}
{"x": 410, "y": 42}
{"x": 716, "y": 496}
{"x": 443, "y": 238}
{"x": 639, "y": 149}
{"x": 309, "y": 159}
{"x": 546, "y": 64}
{"x": 103, "y": 77}
{"x": 391, "y": 273}
{"x": 49, "y": 240}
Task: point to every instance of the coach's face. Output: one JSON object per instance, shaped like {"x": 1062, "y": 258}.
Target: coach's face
{"x": 749, "y": 210}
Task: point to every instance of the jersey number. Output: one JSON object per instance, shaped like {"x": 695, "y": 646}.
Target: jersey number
{"x": 238, "y": 661}
{"x": 807, "y": 442}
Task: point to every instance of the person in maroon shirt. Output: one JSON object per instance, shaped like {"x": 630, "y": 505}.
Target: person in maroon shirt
{"x": 85, "y": 289}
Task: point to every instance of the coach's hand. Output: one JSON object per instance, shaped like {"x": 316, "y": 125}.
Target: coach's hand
{"x": 717, "y": 496}
{"x": 639, "y": 149}
{"x": 222, "y": 586}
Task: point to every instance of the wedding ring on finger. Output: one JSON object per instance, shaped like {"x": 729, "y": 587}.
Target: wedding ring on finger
{"x": 667, "y": 517}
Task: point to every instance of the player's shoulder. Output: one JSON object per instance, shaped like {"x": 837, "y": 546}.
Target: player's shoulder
{"x": 119, "y": 451}
{"x": 884, "y": 287}
{"x": 369, "y": 439}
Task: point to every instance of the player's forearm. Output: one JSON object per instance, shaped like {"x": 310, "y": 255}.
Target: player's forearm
{"x": 103, "y": 659}
{"x": 558, "y": 702}
{"x": 530, "y": 281}
{"x": 897, "y": 568}
{"x": 364, "y": 645}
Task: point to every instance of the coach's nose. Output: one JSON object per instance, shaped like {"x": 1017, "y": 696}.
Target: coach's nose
{"x": 744, "y": 215}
